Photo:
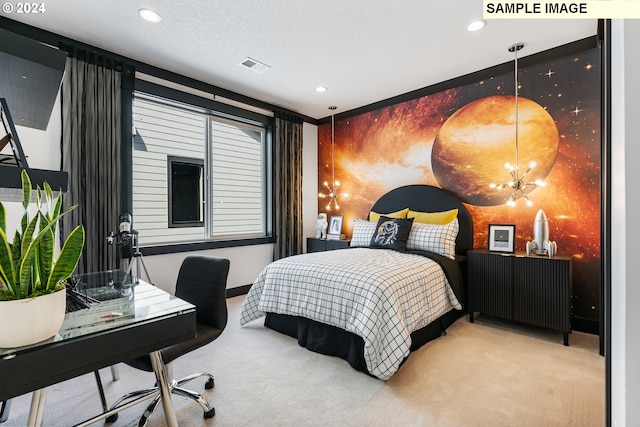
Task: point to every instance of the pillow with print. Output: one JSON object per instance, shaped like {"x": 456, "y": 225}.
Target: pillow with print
{"x": 391, "y": 233}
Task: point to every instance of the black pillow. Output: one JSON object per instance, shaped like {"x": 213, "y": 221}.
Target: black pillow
{"x": 391, "y": 233}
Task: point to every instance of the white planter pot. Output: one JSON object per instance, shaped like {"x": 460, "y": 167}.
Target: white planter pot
{"x": 28, "y": 321}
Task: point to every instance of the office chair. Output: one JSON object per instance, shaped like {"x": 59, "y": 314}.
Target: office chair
{"x": 202, "y": 281}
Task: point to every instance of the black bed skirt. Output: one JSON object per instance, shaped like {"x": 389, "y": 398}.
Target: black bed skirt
{"x": 333, "y": 341}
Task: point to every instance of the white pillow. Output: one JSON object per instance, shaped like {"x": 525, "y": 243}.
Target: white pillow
{"x": 362, "y": 232}
{"x": 437, "y": 238}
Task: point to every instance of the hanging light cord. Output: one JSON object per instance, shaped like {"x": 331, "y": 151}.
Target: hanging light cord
{"x": 518, "y": 184}
{"x": 516, "y": 48}
{"x": 333, "y": 143}
{"x": 333, "y": 188}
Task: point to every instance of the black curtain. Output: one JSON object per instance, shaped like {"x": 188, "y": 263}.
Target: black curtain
{"x": 95, "y": 100}
{"x": 288, "y": 185}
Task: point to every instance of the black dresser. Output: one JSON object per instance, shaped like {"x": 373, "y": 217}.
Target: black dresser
{"x": 535, "y": 289}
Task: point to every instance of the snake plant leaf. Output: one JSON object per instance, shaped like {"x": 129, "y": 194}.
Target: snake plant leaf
{"x": 28, "y": 265}
{"x": 26, "y": 273}
{"x": 3, "y": 218}
{"x": 48, "y": 196}
{"x": 6, "y": 265}
{"x": 24, "y": 222}
{"x": 68, "y": 258}
{"x": 27, "y": 234}
{"x": 53, "y": 215}
{"x": 16, "y": 249}
{"x": 26, "y": 189}
{"x": 38, "y": 197}
{"x": 57, "y": 207}
{"x": 45, "y": 250}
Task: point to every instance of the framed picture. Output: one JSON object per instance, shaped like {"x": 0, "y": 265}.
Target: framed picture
{"x": 502, "y": 238}
{"x": 335, "y": 225}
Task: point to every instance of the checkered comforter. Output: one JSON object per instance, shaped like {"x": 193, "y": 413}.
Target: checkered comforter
{"x": 378, "y": 294}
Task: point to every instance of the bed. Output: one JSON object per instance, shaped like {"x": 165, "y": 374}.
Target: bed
{"x": 371, "y": 306}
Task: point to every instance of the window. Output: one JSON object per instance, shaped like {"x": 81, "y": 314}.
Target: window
{"x": 198, "y": 175}
{"x": 186, "y": 192}
{"x": 238, "y": 179}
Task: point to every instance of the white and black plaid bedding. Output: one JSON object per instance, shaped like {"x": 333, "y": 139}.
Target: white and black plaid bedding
{"x": 378, "y": 294}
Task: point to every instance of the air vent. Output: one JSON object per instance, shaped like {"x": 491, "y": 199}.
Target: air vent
{"x": 254, "y": 65}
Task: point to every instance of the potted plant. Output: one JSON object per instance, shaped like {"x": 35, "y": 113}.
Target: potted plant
{"x": 32, "y": 278}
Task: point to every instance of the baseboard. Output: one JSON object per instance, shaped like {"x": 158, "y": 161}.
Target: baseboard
{"x": 240, "y": 290}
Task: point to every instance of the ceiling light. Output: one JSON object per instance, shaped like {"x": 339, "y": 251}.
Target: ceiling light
{"x": 518, "y": 185}
{"x": 333, "y": 188}
{"x": 321, "y": 89}
{"x": 149, "y": 15}
{"x": 476, "y": 25}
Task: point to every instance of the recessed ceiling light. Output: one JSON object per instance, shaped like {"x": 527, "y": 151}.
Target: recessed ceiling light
{"x": 476, "y": 25}
{"x": 321, "y": 89}
{"x": 149, "y": 15}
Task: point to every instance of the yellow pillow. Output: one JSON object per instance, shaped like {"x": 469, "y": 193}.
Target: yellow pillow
{"x": 374, "y": 217}
{"x": 434, "y": 217}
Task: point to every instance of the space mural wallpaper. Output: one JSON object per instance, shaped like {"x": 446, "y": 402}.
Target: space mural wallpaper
{"x": 460, "y": 139}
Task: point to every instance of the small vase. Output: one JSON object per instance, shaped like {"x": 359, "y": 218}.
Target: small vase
{"x": 29, "y": 321}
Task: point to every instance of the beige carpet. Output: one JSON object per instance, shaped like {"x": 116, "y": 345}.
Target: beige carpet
{"x": 489, "y": 373}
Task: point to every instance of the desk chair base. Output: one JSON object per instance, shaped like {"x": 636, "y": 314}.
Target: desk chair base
{"x": 175, "y": 387}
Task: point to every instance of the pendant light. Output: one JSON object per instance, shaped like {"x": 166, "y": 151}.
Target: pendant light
{"x": 333, "y": 188}
{"x": 518, "y": 184}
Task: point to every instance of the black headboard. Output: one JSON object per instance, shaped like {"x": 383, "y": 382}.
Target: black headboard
{"x": 425, "y": 198}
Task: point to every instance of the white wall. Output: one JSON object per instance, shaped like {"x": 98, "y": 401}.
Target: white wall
{"x": 625, "y": 323}
{"x": 246, "y": 262}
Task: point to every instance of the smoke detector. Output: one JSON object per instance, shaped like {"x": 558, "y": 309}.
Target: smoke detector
{"x": 254, "y": 65}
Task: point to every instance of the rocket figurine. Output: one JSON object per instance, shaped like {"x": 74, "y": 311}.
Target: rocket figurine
{"x": 541, "y": 244}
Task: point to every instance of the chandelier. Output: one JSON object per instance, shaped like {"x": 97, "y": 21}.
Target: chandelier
{"x": 333, "y": 188}
{"x": 518, "y": 184}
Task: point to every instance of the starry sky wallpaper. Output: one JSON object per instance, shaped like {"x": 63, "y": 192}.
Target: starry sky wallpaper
{"x": 460, "y": 139}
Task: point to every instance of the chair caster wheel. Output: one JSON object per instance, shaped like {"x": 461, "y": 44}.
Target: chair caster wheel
{"x": 210, "y": 413}
{"x": 111, "y": 418}
{"x": 209, "y": 384}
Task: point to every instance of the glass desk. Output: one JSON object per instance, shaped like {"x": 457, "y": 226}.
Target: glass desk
{"x": 124, "y": 319}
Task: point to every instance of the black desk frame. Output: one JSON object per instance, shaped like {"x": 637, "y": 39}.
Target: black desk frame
{"x": 37, "y": 367}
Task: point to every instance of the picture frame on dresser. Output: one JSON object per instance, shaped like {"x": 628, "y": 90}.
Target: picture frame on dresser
{"x": 502, "y": 238}
{"x": 335, "y": 225}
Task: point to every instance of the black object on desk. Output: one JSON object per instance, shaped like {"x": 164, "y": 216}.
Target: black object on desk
{"x": 143, "y": 320}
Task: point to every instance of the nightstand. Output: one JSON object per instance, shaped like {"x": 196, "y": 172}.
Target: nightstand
{"x": 535, "y": 289}
{"x": 320, "y": 245}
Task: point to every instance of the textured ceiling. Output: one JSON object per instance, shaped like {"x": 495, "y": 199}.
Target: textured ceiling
{"x": 363, "y": 51}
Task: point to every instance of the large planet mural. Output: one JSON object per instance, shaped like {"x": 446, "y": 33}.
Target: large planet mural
{"x": 471, "y": 148}
{"x": 460, "y": 138}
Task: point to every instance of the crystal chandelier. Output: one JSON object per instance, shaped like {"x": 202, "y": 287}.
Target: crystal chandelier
{"x": 333, "y": 188}
{"x": 518, "y": 184}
